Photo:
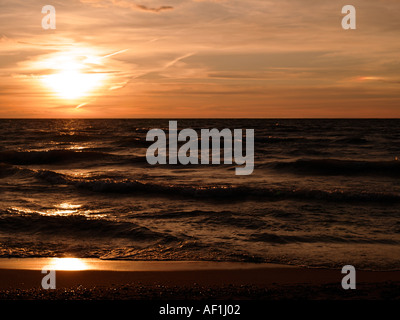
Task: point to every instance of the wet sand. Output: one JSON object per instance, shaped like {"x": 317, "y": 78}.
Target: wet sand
{"x": 194, "y": 281}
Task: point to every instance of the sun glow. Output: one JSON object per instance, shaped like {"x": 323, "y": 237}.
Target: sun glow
{"x": 71, "y": 84}
{"x": 74, "y": 77}
{"x": 68, "y": 264}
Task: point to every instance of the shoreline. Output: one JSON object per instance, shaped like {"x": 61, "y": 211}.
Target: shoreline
{"x": 181, "y": 280}
{"x": 80, "y": 264}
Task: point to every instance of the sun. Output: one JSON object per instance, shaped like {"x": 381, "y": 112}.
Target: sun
{"x": 68, "y": 264}
{"x": 72, "y": 79}
{"x": 72, "y": 84}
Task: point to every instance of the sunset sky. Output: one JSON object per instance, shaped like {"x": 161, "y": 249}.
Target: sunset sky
{"x": 199, "y": 58}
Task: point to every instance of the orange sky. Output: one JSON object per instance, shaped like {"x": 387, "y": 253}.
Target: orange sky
{"x": 199, "y": 58}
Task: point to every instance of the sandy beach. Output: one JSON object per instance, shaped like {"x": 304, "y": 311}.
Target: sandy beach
{"x": 193, "y": 281}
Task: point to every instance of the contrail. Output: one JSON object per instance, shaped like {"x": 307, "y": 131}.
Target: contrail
{"x": 81, "y": 105}
{"x": 113, "y": 54}
{"x": 171, "y": 63}
{"x": 96, "y": 60}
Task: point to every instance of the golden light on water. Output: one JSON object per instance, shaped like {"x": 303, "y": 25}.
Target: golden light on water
{"x": 66, "y": 205}
{"x": 63, "y": 209}
{"x": 67, "y": 264}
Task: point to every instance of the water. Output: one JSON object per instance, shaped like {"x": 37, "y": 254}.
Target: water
{"x": 324, "y": 193}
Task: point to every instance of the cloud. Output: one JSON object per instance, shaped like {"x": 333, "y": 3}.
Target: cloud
{"x": 266, "y": 54}
{"x": 128, "y": 4}
{"x": 171, "y": 63}
{"x": 162, "y": 8}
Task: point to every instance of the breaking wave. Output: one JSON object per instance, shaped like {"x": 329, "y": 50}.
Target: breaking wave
{"x": 211, "y": 192}
{"x": 76, "y": 226}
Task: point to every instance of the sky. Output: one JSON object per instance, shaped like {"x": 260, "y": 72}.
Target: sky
{"x": 199, "y": 59}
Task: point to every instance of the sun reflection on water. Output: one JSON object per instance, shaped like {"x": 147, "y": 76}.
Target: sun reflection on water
{"x": 66, "y": 205}
{"x": 63, "y": 209}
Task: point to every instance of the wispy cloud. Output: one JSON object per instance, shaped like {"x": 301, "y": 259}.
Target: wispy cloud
{"x": 171, "y": 63}
{"x": 129, "y": 5}
{"x": 276, "y": 57}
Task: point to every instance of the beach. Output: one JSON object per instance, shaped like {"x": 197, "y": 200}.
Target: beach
{"x": 199, "y": 157}
{"x": 191, "y": 281}
{"x": 324, "y": 194}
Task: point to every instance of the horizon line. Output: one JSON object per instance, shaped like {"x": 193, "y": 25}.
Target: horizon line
{"x": 215, "y": 118}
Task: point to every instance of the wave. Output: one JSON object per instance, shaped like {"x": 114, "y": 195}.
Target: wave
{"x": 77, "y": 226}
{"x": 50, "y": 157}
{"x": 271, "y": 139}
{"x": 212, "y": 192}
{"x": 292, "y": 140}
{"x": 132, "y": 142}
{"x": 7, "y": 170}
{"x": 104, "y": 184}
{"x": 284, "y": 239}
{"x": 220, "y": 218}
{"x": 353, "y": 140}
{"x": 337, "y": 167}
{"x": 63, "y": 137}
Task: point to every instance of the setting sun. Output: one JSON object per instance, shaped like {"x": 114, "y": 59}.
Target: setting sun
{"x": 72, "y": 84}
{"x": 68, "y": 264}
{"x": 70, "y": 81}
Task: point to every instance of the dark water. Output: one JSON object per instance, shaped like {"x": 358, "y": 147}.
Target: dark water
{"x": 323, "y": 193}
